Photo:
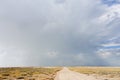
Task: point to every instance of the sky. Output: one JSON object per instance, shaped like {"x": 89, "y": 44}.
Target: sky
{"x": 59, "y": 33}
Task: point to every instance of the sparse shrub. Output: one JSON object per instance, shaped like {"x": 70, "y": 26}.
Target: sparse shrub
{"x": 20, "y": 78}
{"x": 5, "y": 74}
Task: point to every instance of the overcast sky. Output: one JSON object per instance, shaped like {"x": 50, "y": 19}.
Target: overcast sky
{"x": 59, "y": 33}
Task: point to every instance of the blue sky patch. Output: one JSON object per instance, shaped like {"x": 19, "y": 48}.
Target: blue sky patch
{"x": 112, "y": 47}
{"x": 111, "y": 2}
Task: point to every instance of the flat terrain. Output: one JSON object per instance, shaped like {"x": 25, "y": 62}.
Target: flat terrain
{"x": 28, "y": 73}
{"x": 100, "y": 73}
{"x": 58, "y": 73}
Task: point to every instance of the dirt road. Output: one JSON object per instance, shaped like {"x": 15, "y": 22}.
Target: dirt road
{"x": 66, "y": 74}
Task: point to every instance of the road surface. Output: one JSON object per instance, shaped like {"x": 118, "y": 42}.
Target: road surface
{"x": 66, "y": 74}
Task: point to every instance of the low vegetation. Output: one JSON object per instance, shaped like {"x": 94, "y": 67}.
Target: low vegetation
{"x": 108, "y": 72}
{"x": 28, "y": 73}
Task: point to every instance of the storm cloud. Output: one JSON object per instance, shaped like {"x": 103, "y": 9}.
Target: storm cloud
{"x": 54, "y": 32}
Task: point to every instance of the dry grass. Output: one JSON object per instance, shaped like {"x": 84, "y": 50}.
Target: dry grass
{"x": 28, "y": 73}
{"x": 109, "y": 72}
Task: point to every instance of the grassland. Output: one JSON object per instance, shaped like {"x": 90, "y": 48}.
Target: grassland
{"x": 28, "y": 73}
{"x": 48, "y": 73}
{"x": 106, "y": 72}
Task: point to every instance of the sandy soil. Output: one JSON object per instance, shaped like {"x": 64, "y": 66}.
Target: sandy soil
{"x": 66, "y": 74}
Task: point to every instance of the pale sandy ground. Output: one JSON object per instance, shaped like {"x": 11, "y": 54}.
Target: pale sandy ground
{"x": 66, "y": 74}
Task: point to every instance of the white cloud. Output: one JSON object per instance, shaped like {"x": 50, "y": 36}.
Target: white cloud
{"x": 105, "y": 54}
{"x": 112, "y": 13}
{"x": 111, "y": 44}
